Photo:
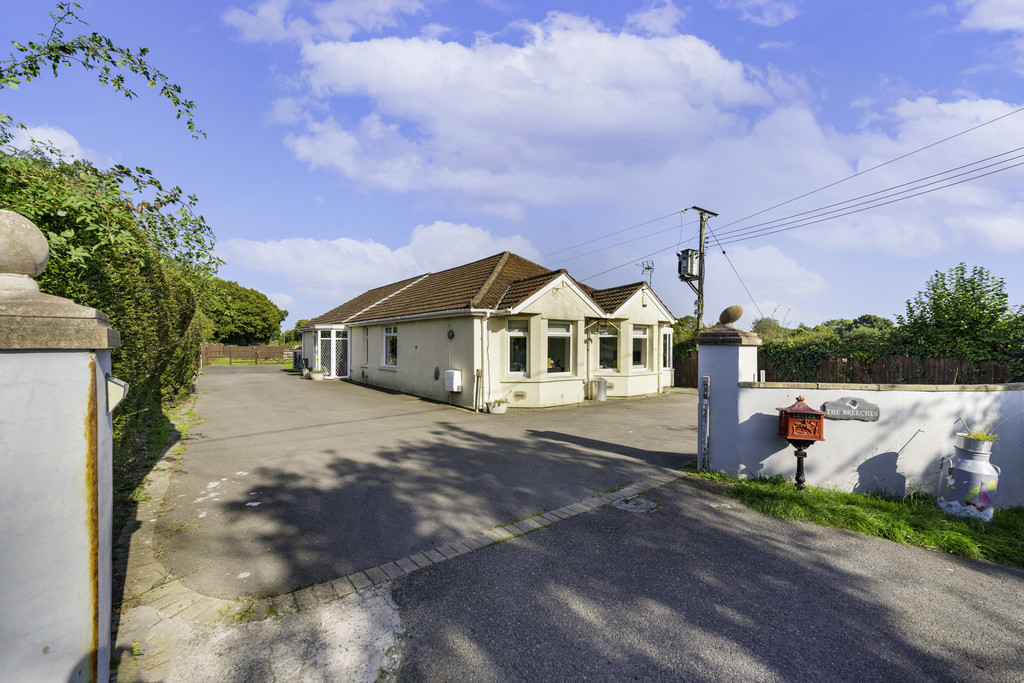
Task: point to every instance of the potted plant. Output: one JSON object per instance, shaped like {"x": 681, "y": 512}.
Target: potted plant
{"x": 498, "y": 406}
{"x": 967, "y": 480}
{"x": 317, "y": 374}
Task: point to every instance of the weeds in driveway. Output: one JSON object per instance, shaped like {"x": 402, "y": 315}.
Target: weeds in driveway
{"x": 246, "y": 611}
{"x": 612, "y": 489}
{"x": 913, "y": 519}
{"x": 538, "y": 513}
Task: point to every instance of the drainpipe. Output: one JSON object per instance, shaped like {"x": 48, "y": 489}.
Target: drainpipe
{"x": 484, "y": 348}
{"x": 588, "y": 343}
{"x": 657, "y": 360}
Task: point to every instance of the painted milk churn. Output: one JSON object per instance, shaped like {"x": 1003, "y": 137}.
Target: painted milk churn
{"x": 967, "y": 480}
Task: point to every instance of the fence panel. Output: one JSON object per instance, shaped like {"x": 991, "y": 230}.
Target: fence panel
{"x": 685, "y": 374}
{"x": 246, "y": 354}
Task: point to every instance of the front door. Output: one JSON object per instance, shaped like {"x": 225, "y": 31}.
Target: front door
{"x": 334, "y": 353}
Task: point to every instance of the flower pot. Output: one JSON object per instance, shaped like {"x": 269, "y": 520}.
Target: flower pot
{"x": 967, "y": 481}
{"x": 497, "y": 408}
{"x": 316, "y": 376}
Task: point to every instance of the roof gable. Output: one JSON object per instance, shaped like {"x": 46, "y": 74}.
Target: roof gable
{"x": 560, "y": 279}
{"x": 614, "y": 299}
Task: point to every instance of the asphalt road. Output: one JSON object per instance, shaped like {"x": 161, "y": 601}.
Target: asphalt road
{"x": 290, "y": 482}
{"x": 702, "y": 589}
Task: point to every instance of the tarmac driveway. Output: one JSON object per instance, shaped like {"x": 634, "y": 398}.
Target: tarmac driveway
{"x": 289, "y": 482}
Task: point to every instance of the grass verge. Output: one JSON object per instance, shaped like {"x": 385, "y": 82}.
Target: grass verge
{"x": 911, "y": 520}
{"x": 154, "y": 440}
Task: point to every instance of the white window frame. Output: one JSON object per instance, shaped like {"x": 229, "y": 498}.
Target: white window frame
{"x": 390, "y": 331}
{"x": 611, "y": 332}
{"x": 640, "y": 332}
{"x": 560, "y": 334}
{"x": 366, "y": 345}
{"x": 666, "y": 352}
{"x": 517, "y": 334}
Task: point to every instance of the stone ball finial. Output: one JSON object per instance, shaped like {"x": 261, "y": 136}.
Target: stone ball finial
{"x": 731, "y": 315}
{"x": 23, "y": 248}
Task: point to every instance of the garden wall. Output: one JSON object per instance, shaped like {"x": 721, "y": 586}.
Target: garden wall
{"x": 899, "y": 453}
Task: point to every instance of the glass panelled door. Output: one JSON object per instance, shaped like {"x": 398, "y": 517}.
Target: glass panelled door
{"x": 333, "y": 350}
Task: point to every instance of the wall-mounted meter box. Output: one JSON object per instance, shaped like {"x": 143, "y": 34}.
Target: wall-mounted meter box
{"x": 453, "y": 380}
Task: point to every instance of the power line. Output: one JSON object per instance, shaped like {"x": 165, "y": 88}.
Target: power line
{"x": 610, "y": 234}
{"x": 820, "y": 211}
{"x": 873, "y": 206}
{"x": 617, "y": 244}
{"x": 812, "y": 192}
{"x": 745, "y": 288}
{"x": 878, "y": 166}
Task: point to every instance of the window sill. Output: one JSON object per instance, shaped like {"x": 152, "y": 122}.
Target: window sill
{"x": 388, "y": 368}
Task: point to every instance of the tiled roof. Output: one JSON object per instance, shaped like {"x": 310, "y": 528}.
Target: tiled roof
{"x": 350, "y": 308}
{"x": 612, "y": 298}
{"x": 519, "y": 290}
{"x": 500, "y": 281}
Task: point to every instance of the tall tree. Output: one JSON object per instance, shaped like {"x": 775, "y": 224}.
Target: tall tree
{"x": 961, "y": 315}
{"x": 241, "y": 315}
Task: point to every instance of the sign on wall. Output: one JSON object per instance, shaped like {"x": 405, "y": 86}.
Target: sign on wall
{"x": 851, "y": 408}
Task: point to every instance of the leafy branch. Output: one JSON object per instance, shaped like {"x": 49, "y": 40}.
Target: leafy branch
{"x": 91, "y": 51}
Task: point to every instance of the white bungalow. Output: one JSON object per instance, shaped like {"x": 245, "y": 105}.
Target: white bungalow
{"x": 499, "y": 328}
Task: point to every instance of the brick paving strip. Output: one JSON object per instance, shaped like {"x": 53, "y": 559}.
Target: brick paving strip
{"x": 149, "y": 584}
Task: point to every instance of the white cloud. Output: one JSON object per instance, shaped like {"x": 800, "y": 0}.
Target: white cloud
{"x": 434, "y": 31}
{"x": 325, "y": 273}
{"x": 771, "y": 275}
{"x": 274, "y": 20}
{"x": 775, "y": 45}
{"x": 58, "y": 137}
{"x": 992, "y": 15}
{"x": 283, "y": 301}
{"x": 763, "y": 12}
{"x": 544, "y": 122}
{"x": 657, "y": 18}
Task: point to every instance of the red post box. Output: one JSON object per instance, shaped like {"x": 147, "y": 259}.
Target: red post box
{"x": 801, "y": 425}
{"x": 801, "y": 422}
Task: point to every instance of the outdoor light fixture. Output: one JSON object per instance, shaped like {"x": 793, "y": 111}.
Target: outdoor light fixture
{"x": 801, "y": 425}
{"x": 117, "y": 389}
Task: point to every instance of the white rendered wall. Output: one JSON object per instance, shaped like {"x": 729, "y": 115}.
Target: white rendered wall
{"x": 900, "y": 452}
{"x": 425, "y": 351}
{"x": 55, "y": 528}
{"x": 726, "y": 365}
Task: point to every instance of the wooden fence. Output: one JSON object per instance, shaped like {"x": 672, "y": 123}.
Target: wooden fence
{"x": 901, "y": 370}
{"x": 685, "y": 371}
{"x": 246, "y": 354}
{"x": 884, "y": 370}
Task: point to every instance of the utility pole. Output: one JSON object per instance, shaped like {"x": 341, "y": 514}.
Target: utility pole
{"x": 685, "y": 272}
{"x": 704, "y": 213}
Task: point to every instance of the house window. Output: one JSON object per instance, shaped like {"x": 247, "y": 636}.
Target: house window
{"x": 518, "y": 336}
{"x": 391, "y": 346}
{"x": 608, "y": 347}
{"x": 366, "y": 345}
{"x": 559, "y": 347}
{"x": 666, "y": 350}
{"x": 639, "y": 346}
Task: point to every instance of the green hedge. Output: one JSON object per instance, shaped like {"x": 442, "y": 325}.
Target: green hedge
{"x": 100, "y": 257}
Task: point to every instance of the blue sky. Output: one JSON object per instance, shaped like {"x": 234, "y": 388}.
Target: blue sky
{"x": 353, "y": 143}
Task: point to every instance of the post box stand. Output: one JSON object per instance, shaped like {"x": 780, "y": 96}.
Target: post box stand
{"x": 801, "y": 425}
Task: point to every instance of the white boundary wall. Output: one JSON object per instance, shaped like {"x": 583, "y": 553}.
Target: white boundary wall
{"x": 899, "y": 453}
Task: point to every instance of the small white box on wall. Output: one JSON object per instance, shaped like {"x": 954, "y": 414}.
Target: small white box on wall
{"x": 453, "y": 380}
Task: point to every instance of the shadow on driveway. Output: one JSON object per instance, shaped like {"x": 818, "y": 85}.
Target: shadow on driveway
{"x": 275, "y": 496}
